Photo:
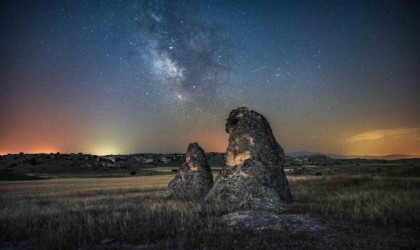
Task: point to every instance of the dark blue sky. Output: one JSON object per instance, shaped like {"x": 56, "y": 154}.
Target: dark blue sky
{"x": 151, "y": 76}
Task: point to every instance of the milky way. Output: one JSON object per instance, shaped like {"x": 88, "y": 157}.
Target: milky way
{"x": 186, "y": 57}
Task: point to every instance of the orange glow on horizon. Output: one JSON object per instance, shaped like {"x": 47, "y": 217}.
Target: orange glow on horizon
{"x": 34, "y": 151}
{"x": 376, "y": 142}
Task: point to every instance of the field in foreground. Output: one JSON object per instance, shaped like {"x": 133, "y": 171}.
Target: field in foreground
{"x": 131, "y": 212}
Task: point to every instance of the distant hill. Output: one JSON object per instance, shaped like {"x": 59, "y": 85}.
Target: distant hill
{"x": 385, "y": 157}
{"x": 15, "y": 166}
{"x": 337, "y": 156}
{"x": 306, "y": 153}
{"x": 313, "y": 159}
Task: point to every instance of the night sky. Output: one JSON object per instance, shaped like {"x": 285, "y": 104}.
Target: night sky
{"x": 117, "y": 77}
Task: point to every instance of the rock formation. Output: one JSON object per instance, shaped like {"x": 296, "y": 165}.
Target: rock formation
{"x": 253, "y": 176}
{"x": 194, "y": 178}
{"x": 261, "y": 220}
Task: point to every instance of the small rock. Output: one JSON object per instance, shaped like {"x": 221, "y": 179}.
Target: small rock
{"x": 263, "y": 220}
{"x": 107, "y": 241}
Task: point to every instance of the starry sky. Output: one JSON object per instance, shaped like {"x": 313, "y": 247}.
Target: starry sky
{"x": 118, "y": 77}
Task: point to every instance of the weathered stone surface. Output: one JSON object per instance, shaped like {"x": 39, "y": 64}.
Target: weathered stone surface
{"x": 253, "y": 176}
{"x": 194, "y": 178}
{"x": 262, "y": 220}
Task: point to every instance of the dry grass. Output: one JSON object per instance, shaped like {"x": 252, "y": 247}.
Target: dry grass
{"x": 63, "y": 213}
{"x": 76, "y": 186}
{"x": 72, "y": 213}
{"x": 362, "y": 199}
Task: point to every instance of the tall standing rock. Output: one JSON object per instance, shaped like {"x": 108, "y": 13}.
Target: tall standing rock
{"x": 253, "y": 176}
{"x": 194, "y": 178}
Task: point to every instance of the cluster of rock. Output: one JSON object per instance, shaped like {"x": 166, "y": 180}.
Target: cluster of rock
{"x": 252, "y": 184}
{"x": 253, "y": 175}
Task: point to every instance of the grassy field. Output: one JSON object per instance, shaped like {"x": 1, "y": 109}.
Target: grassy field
{"x": 131, "y": 212}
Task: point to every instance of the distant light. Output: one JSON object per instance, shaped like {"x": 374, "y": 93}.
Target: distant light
{"x": 106, "y": 150}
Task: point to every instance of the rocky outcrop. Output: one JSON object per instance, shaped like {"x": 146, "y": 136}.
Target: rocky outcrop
{"x": 262, "y": 220}
{"x": 253, "y": 176}
{"x": 194, "y": 178}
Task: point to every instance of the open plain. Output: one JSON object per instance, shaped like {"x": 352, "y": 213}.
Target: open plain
{"x": 363, "y": 210}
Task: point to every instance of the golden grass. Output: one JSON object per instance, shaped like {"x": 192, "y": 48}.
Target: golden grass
{"x": 62, "y": 187}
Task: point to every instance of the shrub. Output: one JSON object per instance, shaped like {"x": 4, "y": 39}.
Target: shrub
{"x": 33, "y": 161}
{"x": 133, "y": 172}
{"x": 12, "y": 165}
